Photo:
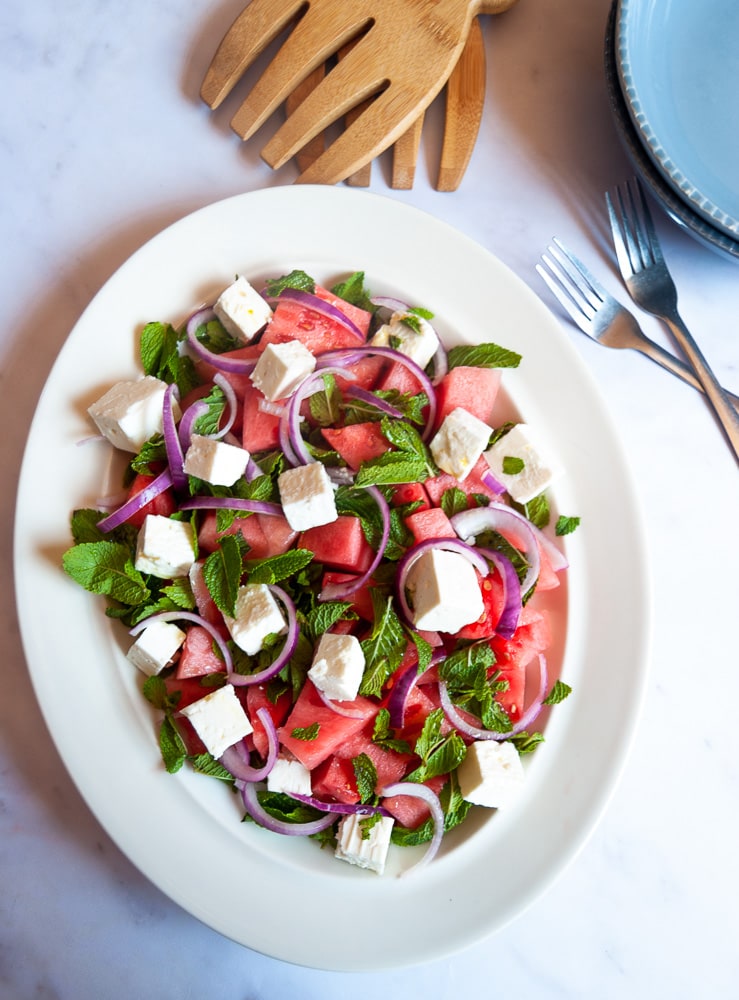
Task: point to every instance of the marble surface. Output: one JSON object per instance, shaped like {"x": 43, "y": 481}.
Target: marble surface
{"x": 104, "y": 143}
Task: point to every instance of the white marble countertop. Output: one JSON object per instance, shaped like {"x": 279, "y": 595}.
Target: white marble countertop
{"x": 104, "y": 143}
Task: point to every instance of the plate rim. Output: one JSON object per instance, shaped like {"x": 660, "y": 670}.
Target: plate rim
{"x": 304, "y": 203}
{"x": 656, "y": 145}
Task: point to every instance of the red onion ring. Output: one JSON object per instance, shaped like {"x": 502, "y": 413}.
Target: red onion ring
{"x": 324, "y": 308}
{"x": 309, "y": 386}
{"x": 239, "y": 767}
{"x": 512, "y": 602}
{"x": 232, "y": 503}
{"x": 225, "y": 386}
{"x": 291, "y": 641}
{"x": 351, "y": 355}
{"x": 412, "y": 554}
{"x": 187, "y": 422}
{"x": 399, "y": 695}
{"x": 419, "y": 791}
{"x": 478, "y": 733}
{"x": 262, "y": 817}
{"x": 158, "y": 485}
{"x": 492, "y": 483}
{"x": 349, "y": 713}
{"x": 236, "y": 366}
{"x": 340, "y": 808}
{"x": 188, "y": 616}
{"x": 338, "y": 591}
{"x": 389, "y": 302}
{"x": 172, "y": 445}
{"x": 497, "y": 516}
{"x": 365, "y": 396}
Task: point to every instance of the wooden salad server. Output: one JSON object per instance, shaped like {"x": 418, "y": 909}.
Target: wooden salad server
{"x": 404, "y": 52}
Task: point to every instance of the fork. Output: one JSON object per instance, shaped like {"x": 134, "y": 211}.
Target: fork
{"x": 650, "y": 285}
{"x": 404, "y": 54}
{"x": 600, "y": 315}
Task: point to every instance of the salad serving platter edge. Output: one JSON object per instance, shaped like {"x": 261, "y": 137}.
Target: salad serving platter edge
{"x": 183, "y": 831}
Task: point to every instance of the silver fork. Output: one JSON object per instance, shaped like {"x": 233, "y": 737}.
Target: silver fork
{"x": 651, "y": 287}
{"x": 599, "y": 314}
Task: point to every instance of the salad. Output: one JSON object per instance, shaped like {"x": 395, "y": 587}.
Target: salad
{"x": 328, "y": 552}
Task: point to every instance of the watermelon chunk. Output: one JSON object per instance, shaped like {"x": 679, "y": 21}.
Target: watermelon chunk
{"x": 431, "y": 523}
{"x": 340, "y": 544}
{"x": 366, "y": 373}
{"x": 198, "y": 656}
{"x": 404, "y": 493}
{"x": 333, "y": 729}
{"x": 360, "y": 599}
{"x": 293, "y": 321}
{"x": 357, "y": 443}
{"x": 474, "y": 389}
{"x": 260, "y": 430}
{"x": 256, "y": 698}
{"x": 399, "y": 376}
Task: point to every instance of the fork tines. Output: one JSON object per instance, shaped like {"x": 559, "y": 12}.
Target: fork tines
{"x": 634, "y": 235}
{"x": 571, "y": 282}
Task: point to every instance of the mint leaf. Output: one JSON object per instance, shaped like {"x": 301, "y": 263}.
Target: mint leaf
{"x": 160, "y": 357}
{"x": 306, "y": 733}
{"x": 273, "y": 569}
{"x": 324, "y": 615}
{"x": 209, "y": 422}
{"x": 152, "y": 452}
{"x": 366, "y": 774}
{"x": 156, "y": 693}
{"x": 384, "y": 649}
{"x": 354, "y": 291}
{"x": 222, "y": 572}
{"x": 84, "y": 528}
{"x": 526, "y": 742}
{"x": 325, "y": 406}
{"x": 566, "y": 525}
{"x": 483, "y": 356}
{"x": 382, "y": 734}
{"x": 106, "y": 568}
{"x": 512, "y": 465}
{"x": 391, "y": 468}
{"x": 171, "y": 745}
{"x": 204, "y": 763}
{"x": 407, "y": 439}
{"x": 179, "y": 592}
{"x": 559, "y": 692}
{"x": 284, "y": 807}
{"x": 295, "y": 279}
{"x": 537, "y": 511}
{"x": 453, "y": 501}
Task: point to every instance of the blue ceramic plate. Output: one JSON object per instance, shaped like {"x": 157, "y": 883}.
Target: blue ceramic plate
{"x": 679, "y": 63}
{"x": 679, "y": 210}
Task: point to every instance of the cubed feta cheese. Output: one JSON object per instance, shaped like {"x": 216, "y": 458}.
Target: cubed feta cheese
{"x": 444, "y": 591}
{"x": 219, "y": 719}
{"x": 155, "y": 647}
{"x": 216, "y": 462}
{"x": 289, "y": 776}
{"x": 338, "y": 665}
{"x": 281, "y": 368}
{"x": 491, "y": 774}
{"x": 257, "y": 615}
{"x": 459, "y": 442}
{"x": 165, "y": 548}
{"x": 242, "y": 310}
{"x": 369, "y": 852}
{"x": 534, "y": 473}
{"x": 129, "y": 413}
{"x": 418, "y": 341}
{"x": 307, "y": 496}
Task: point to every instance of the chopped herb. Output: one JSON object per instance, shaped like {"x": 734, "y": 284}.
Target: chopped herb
{"x": 566, "y": 525}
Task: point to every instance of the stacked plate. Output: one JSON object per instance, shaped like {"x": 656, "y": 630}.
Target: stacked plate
{"x": 671, "y": 70}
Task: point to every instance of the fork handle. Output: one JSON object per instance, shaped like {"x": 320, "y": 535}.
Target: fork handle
{"x": 679, "y": 368}
{"x": 718, "y": 396}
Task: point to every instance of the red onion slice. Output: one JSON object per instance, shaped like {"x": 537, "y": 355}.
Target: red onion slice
{"x": 228, "y": 391}
{"x": 419, "y": 791}
{"x": 172, "y": 445}
{"x": 492, "y": 483}
{"x": 416, "y": 551}
{"x": 188, "y": 616}
{"x": 365, "y": 396}
{"x": 389, "y": 302}
{"x": 496, "y": 516}
{"x": 478, "y": 733}
{"x": 158, "y": 485}
{"x": 239, "y": 765}
{"x": 187, "y": 422}
{"x": 512, "y": 602}
{"x": 263, "y": 818}
{"x": 399, "y": 695}
{"x": 236, "y": 366}
{"x": 309, "y": 386}
{"x": 350, "y": 356}
{"x": 232, "y": 503}
{"x": 340, "y": 808}
{"x": 310, "y": 301}
{"x": 291, "y": 641}
{"x": 338, "y": 591}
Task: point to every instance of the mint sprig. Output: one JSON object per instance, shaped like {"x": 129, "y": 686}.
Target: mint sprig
{"x": 483, "y": 356}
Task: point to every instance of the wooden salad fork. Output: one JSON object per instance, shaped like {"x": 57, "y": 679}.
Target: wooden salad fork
{"x": 464, "y": 102}
{"x": 404, "y": 52}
